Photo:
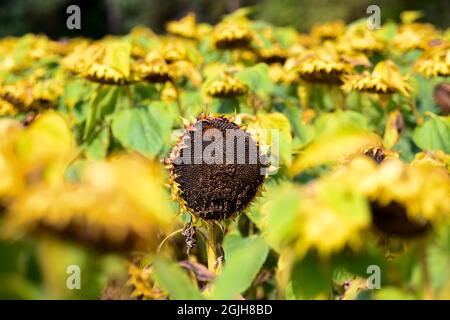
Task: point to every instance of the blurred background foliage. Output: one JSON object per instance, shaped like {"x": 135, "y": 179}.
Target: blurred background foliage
{"x": 103, "y": 17}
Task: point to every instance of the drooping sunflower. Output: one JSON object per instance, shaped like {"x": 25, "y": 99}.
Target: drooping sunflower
{"x": 361, "y": 39}
{"x": 323, "y": 65}
{"x": 18, "y": 94}
{"x": 154, "y": 69}
{"x": 231, "y": 35}
{"x": 46, "y": 93}
{"x": 107, "y": 62}
{"x": 329, "y": 30}
{"x": 267, "y": 47}
{"x": 32, "y": 94}
{"x": 377, "y": 153}
{"x": 173, "y": 52}
{"x": 216, "y": 169}
{"x": 99, "y": 211}
{"x": 436, "y": 158}
{"x": 80, "y": 57}
{"x": 331, "y": 217}
{"x": 32, "y": 48}
{"x": 227, "y": 87}
{"x": 384, "y": 79}
{"x": 33, "y": 155}
{"x": 412, "y": 36}
{"x": 405, "y": 200}
{"x": 273, "y": 54}
{"x": 435, "y": 62}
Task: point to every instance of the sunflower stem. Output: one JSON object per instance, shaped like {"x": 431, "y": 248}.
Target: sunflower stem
{"x": 130, "y": 96}
{"x": 178, "y": 101}
{"x": 426, "y": 280}
{"x": 417, "y": 116}
{"x": 211, "y": 242}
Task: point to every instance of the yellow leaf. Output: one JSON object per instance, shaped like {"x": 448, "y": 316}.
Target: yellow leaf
{"x": 332, "y": 146}
{"x": 274, "y": 130}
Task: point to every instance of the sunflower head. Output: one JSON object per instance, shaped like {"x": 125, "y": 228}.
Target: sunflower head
{"x": 80, "y": 57}
{"x": 173, "y": 51}
{"x": 436, "y": 158}
{"x": 107, "y": 62}
{"x": 18, "y": 94}
{"x": 405, "y": 200}
{"x": 321, "y": 66}
{"x": 227, "y": 87}
{"x": 99, "y": 211}
{"x": 154, "y": 69}
{"x": 45, "y": 94}
{"x": 360, "y": 39}
{"x": 379, "y": 155}
{"x": 331, "y": 217}
{"x": 231, "y": 35}
{"x": 384, "y": 79}
{"x": 412, "y": 36}
{"x": 274, "y": 54}
{"x": 435, "y": 62}
{"x": 216, "y": 169}
{"x": 329, "y": 30}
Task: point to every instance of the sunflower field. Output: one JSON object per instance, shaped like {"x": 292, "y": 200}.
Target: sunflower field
{"x": 348, "y": 197}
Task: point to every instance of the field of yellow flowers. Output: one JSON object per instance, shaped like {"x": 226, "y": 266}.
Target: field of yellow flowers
{"x": 349, "y": 197}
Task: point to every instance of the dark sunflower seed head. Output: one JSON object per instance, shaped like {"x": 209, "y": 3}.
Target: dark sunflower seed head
{"x": 221, "y": 169}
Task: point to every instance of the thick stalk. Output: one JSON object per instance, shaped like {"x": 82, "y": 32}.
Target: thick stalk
{"x": 130, "y": 96}
{"x": 211, "y": 249}
{"x": 426, "y": 281}
{"x": 417, "y": 116}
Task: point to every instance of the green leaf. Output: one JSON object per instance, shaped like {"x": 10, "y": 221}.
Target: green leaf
{"x": 102, "y": 104}
{"x": 142, "y": 129}
{"x": 118, "y": 56}
{"x": 257, "y": 78}
{"x": 331, "y": 146}
{"x": 280, "y": 213}
{"x": 334, "y": 121}
{"x": 175, "y": 281}
{"x": 393, "y": 293}
{"x": 311, "y": 277}
{"x": 225, "y": 106}
{"x": 75, "y": 91}
{"x": 98, "y": 148}
{"x": 244, "y": 259}
{"x": 274, "y": 130}
{"x": 434, "y": 134}
{"x": 438, "y": 259}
